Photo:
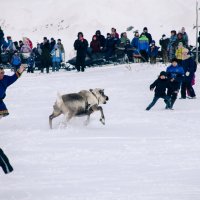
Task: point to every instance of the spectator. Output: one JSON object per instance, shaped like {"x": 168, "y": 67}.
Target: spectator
{"x": 95, "y": 46}
{"x": 172, "y": 45}
{"x": 180, "y": 39}
{"x": 164, "y": 42}
{"x": 45, "y": 56}
{"x": 153, "y": 52}
{"x": 101, "y": 39}
{"x": 114, "y": 33}
{"x": 20, "y": 44}
{"x": 61, "y": 48}
{"x": 11, "y": 47}
{"x": 56, "y": 58}
{"x": 124, "y": 39}
{"x": 143, "y": 46}
{"x": 1, "y": 36}
{"x": 148, "y": 35}
{"x": 16, "y": 61}
{"x": 52, "y": 44}
{"x": 80, "y": 45}
{"x": 185, "y": 36}
{"x": 30, "y": 63}
{"x": 135, "y": 40}
{"x": 179, "y": 52}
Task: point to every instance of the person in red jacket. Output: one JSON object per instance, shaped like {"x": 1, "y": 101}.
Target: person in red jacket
{"x": 95, "y": 45}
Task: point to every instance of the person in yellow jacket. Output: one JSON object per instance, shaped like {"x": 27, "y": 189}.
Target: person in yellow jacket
{"x": 180, "y": 51}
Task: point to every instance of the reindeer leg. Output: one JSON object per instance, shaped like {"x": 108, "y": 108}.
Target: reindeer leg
{"x": 52, "y": 116}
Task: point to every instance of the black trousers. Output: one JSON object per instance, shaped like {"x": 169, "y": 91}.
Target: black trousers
{"x": 172, "y": 94}
{"x": 4, "y": 163}
{"x": 155, "y": 99}
{"x": 187, "y": 85}
{"x": 80, "y": 63}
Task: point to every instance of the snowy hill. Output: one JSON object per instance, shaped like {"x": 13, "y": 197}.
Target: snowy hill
{"x": 64, "y": 19}
{"x": 137, "y": 155}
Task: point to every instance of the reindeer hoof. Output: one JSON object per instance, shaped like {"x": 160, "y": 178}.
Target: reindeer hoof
{"x": 86, "y": 122}
{"x": 102, "y": 121}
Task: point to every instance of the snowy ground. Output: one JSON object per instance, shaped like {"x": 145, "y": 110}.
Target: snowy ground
{"x": 137, "y": 155}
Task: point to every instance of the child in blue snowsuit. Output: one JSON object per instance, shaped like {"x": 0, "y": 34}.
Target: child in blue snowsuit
{"x": 5, "y": 82}
{"x": 30, "y": 63}
{"x": 16, "y": 61}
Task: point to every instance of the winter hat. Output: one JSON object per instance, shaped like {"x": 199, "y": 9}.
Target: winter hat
{"x": 174, "y": 60}
{"x": 163, "y": 35}
{"x": 59, "y": 40}
{"x": 80, "y": 33}
{"x": 163, "y": 73}
{"x": 145, "y": 29}
{"x": 44, "y": 38}
{"x": 98, "y": 32}
{"x": 185, "y": 54}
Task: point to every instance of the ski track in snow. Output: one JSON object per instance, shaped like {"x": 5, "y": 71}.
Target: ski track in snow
{"x": 137, "y": 155}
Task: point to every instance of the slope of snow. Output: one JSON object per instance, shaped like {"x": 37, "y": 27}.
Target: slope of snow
{"x": 137, "y": 155}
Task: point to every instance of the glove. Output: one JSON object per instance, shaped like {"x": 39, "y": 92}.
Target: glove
{"x": 187, "y": 73}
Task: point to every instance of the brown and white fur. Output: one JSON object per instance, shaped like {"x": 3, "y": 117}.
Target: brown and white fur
{"x": 83, "y": 103}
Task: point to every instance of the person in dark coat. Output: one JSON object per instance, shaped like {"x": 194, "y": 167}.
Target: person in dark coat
{"x": 1, "y": 37}
{"x": 52, "y": 44}
{"x": 160, "y": 85}
{"x": 45, "y": 56}
{"x": 101, "y": 38}
{"x": 164, "y": 42}
{"x": 80, "y": 45}
{"x": 109, "y": 46}
{"x": 5, "y": 82}
{"x": 4, "y": 163}
{"x": 175, "y": 73}
{"x": 180, "y": 39}
{"x": 190, "y": 66}
{"x": 148, "y": 35}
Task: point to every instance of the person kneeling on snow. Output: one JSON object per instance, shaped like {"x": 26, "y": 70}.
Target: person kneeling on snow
{"x": 6, "y": 81}
{"x": 4, "y": 163}
{"x": 160, "y": 85}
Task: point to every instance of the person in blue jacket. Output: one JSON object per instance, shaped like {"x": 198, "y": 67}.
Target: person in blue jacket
{"x": 16, "y": 61}
{"x": 5, "y": 82}
{"x": 153, "y": 52}
{"x": 175, "y": 74}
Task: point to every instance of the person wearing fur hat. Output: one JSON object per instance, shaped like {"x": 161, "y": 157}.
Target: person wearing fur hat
{"x": 161, "y": 85}
{"x": 81, "y": 46}
{"x": 175, "y": 74}
{"x": 5, "y": 82}
{"x": 4, "y": 163}
{"x": 190, "y": 66}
